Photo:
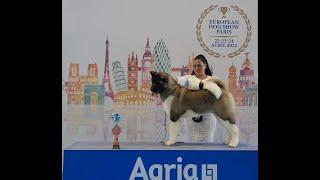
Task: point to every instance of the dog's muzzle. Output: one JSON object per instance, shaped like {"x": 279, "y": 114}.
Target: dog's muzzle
{"x": 154, "y": 92}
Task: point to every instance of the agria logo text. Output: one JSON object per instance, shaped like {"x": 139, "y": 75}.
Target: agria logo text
{"x": 176, "y": 170}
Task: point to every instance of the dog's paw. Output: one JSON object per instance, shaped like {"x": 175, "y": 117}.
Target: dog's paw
{"x": 232, "y": 145}
{"x": 169, "y": 143}
{"x": 234, "y": 141}
{"x": 227, "y": 141}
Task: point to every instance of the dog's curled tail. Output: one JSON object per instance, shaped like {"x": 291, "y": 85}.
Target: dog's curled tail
{"x": 224, "y": 88}
{"x": 218, "y": 81}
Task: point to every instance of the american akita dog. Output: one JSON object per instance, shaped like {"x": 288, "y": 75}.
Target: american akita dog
{"x": 179, "y": 102}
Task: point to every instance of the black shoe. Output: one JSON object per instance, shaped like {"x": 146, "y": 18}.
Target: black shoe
{"x": 197, "y": 119}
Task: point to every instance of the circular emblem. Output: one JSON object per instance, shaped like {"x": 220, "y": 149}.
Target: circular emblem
{"x": 116, "y": 118}
{"x": 223, "y": 31}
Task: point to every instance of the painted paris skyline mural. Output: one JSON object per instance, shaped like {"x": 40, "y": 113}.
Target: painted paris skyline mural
{"x": 85, "y": 89}
{"x": 125, "y": 89}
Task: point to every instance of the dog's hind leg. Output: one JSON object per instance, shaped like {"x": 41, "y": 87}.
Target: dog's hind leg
{"x": 174, "y": 129}
{"x": 233, "y": 131}
{"x": 225, "y": 126}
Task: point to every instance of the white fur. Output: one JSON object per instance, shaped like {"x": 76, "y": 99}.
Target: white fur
{"x": 213, "y": 88}
{"x": 174, "y": 127}
{"x": 167, "y": 104}
{"x": 192, "y": 82}
{"x": 209, "y": 85}
{"x": 233, "y": 130}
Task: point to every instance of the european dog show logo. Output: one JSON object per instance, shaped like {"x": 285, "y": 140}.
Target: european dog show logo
{"x": 223, "y": 31}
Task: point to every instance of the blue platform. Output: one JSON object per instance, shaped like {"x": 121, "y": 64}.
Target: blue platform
{"x": 105, "y": 164}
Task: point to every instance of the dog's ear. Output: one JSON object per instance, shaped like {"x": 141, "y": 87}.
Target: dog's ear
{"x": 153, "y": 73}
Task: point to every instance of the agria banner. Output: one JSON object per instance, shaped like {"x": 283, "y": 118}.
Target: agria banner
{"x": 160, "y": 165}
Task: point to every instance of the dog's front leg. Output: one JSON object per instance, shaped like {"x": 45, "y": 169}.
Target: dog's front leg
{"x": 174, "y": 129}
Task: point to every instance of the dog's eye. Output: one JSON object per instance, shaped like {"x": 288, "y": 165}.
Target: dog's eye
{"x": 163, "y": 79}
